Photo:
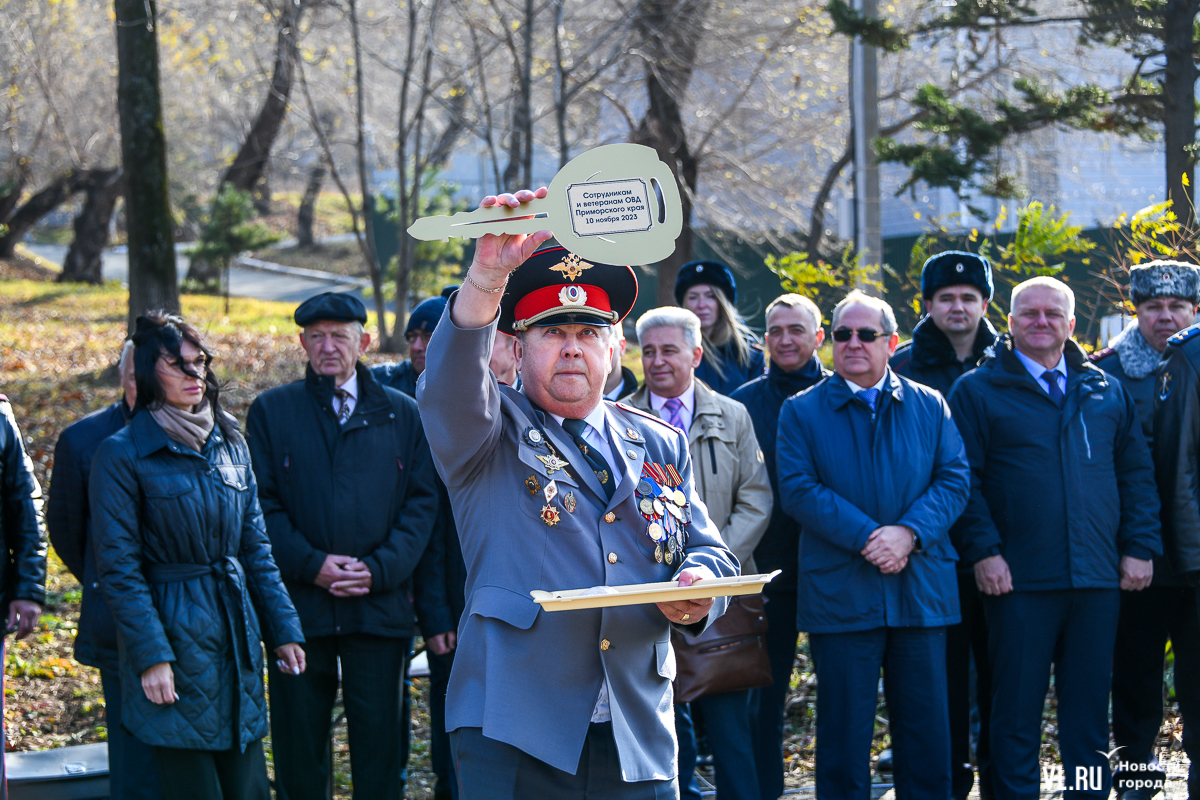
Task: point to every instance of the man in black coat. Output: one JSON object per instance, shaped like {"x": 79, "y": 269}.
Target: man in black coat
{"x": 951, "y": 339}
{"x": 794, "y": 333}
{"x": 439, "y": 582}
{"x": 1137, "y": 703}
{"x": 1063, "y": 516}
{"x": 131, "y": 769}
{"x": 346, "y": 485}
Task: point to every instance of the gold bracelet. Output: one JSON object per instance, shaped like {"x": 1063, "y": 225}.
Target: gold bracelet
{"x": 497, "y": 290}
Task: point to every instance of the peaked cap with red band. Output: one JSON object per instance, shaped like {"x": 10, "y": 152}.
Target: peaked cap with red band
{"x": 556, "y": 287}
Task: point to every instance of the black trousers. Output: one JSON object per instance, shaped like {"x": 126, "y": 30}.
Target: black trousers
{"x": 964, "y": 640}
{"x": 1073, "y": 631}
{"x": 212, "y": 775}
{"x": 766, "y": 704}
{"x": 302, "y": 712}
{"x": 492, "y": 770}
{"x": 132, "y": 774}
{"x": 1148, "y": 619}
{"x": 440, "y": 756}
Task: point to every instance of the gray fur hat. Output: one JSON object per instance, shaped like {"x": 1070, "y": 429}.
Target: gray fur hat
{"x": 1164, "y": 279}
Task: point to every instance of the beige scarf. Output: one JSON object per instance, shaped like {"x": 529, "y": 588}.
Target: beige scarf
{"x": 189, "y": 428}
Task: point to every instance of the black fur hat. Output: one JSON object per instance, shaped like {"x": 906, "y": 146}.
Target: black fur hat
{"x": 956, "y": 268}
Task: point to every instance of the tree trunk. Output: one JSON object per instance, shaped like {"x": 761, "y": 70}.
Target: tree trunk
{"x": 307, "y": 213}
{"x": 248, "y": 168}
{"x": 386, "y": 343}
{"x": 83, "y": 261}
{"x": 39, "y": 206}
{"x": 672, "y": 30}
{"x": 10, "y": 199}
{"x": 152, "y": 276}
{"x": 1179, "y": 107}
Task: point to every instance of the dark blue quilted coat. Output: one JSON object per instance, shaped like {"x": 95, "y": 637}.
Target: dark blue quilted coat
{"x": 186, "y": 567}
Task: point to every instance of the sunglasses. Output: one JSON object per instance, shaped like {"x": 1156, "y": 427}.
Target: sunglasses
{"x": 865, "y": 335}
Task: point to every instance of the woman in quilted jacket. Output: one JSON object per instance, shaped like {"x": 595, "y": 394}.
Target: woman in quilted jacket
{"x": 186, "y": 567}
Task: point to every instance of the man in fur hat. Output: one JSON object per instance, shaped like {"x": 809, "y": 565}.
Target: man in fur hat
{"x": 1165, "y": 294}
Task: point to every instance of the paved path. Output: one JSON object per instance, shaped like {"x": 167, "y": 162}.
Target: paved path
{"x": 287, "y": 286}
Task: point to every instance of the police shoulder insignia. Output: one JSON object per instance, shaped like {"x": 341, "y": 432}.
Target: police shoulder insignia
{"x": 1184, "y": 335}
{"x": 645, "y": 414}
{"x": 1166, "y": 382}
{"x": 1099, "y": 354}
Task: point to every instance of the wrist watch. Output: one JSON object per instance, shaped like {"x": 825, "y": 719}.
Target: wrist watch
{"x": 916, "y": 548}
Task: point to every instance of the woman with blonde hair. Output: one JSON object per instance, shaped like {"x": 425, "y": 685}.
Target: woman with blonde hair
{"x": 732, "y": 355}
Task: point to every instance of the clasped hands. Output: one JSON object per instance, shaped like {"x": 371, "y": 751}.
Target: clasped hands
{"x": 888, "y": 547}
{"x": 689, "y": 612}
{"x": 344, "y": 576}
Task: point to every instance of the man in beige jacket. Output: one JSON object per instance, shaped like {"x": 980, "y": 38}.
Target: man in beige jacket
{"x": 731, "y": 478}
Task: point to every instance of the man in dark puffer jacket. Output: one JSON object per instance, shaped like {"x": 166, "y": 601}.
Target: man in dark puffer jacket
{"x": 793, "y": 335}
{"x": 948, "y": 342}
{"x": 1164, "y": 294}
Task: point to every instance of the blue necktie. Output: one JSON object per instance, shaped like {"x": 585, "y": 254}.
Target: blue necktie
{"x": 1050, "y": 376}
{"x": 869, "y": 396}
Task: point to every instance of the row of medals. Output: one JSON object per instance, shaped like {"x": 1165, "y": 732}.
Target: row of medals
{"x": 667, "y": 512}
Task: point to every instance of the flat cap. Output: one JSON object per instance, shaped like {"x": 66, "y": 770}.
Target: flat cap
{"x": 957, "y": 268}
{"x": 332, "y": 306}
{"x": 1164, "y": 279}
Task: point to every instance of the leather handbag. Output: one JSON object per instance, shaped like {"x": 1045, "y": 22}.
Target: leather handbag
{"x": 729, "y": 656}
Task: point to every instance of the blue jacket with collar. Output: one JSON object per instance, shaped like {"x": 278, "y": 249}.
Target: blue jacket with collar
{"x": 845, "y": 471}
{"x": 1062, "y": 494}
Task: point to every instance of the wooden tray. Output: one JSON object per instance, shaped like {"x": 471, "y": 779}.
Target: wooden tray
{"x": 639, "y": 593}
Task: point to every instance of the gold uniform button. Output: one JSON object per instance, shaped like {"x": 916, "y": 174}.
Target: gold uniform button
{"x": 612, "y": 558}
{"x": 610, "y": 517}
{"x": 604, "y": 644}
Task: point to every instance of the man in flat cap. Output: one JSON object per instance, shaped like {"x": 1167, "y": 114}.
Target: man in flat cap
{"x": 1165, "y": 294}
{"x": 554, "y": 488}
{"x": 349, "y": 499}
{"x": 956, "y": 288}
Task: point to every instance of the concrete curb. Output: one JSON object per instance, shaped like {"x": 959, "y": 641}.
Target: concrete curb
{"x": 300, "y": 272}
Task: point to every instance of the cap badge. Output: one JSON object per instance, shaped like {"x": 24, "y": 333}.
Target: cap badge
{"x": 699, "y": 268}
{"x": 572, "y": 266}
{"x": 958, "y": 267}
{"x": 572, "y": 295}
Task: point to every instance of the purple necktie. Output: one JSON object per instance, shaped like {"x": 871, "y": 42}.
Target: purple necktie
{"x": 673, "y": 407}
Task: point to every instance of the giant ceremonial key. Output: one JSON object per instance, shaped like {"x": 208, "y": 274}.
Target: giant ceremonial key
{"x": 617, "y": 204}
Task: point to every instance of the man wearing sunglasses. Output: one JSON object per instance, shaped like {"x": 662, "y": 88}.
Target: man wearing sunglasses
{"x": 956, "y": 288}
{"x": 872, "y": 467}
{"x": 1063, "y": 515}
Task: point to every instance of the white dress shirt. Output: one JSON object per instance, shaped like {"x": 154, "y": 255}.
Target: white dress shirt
{"x": 854, "y": 387}
{"x": 596, "y": 436}
{"x": 351, "y": 388}
{"x": 686, "y": 413}
{"x": 1037, "y": 370}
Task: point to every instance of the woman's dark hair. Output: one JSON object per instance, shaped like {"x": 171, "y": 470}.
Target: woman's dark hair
{"x": 161, "y": 333}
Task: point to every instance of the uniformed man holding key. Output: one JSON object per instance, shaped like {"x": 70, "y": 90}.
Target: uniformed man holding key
{"x": 547, "y": 487}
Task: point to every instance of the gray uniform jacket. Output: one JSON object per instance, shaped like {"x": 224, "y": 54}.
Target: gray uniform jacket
{"x": 527, "y": 677}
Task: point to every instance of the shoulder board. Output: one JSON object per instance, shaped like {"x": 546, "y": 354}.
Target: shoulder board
{"x": 4, "y": 398}
{"x": 756, "y": 346}
{"x": 645, "y": 414}
{"x": 1184, "y": 335}
{"x": 1099, "y": 354}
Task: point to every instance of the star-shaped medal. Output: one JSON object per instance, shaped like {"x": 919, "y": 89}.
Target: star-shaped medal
{"x": 549, "y": 515}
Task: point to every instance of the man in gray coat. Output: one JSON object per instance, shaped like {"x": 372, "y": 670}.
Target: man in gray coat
{"x": 546, "y": 485}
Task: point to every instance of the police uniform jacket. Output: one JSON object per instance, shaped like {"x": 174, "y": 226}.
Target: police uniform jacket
{"x": 1177, "y": 448}
{"x": 528, "y": 677}
{"x": 730, "y": 470}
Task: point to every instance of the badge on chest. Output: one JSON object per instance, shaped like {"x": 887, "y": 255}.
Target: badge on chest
{"x": 666, "y": 510}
